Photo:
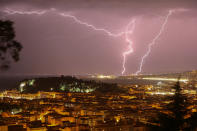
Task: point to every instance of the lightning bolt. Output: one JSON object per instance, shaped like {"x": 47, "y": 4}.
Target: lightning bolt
{"x": 154, "y": 41}
{"x": 130, "y": 42}
{"x": 126, "y": 33}
{"x": 92, "y": 26}
{"x": 13, "y": 12}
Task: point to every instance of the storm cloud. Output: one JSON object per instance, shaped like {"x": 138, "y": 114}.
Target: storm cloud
{"x": 119, "y": 7}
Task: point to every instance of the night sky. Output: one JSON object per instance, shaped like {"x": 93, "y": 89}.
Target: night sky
{"x": 57, "y": 45}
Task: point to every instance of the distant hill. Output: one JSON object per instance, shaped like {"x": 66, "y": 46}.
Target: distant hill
{"x": 66, "y": 84}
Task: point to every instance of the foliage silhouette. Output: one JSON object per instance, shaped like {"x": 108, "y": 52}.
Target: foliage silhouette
{"x": 179, "y": 117}
{"x": 9, "y": 47}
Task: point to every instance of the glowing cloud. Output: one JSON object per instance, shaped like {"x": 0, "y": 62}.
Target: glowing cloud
{"x": 126, "y": 33}
{"x": 130, "y": 42}
{"x": 153, "y": 42}
{"x": 157, "y": 37}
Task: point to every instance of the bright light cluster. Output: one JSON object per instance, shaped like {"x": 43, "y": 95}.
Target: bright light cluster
{"x": 165, "y": 79}
{"x": 160, "y": 93}
{"x": 104, "y": 77}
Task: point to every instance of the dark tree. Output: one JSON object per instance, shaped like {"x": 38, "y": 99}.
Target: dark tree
{"x": 176, "y": 119}
{"x": 177, "y": 107}
{"x": 9, "y": 47}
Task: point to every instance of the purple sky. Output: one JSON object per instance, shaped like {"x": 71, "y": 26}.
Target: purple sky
{"x": 58, "y": 45}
